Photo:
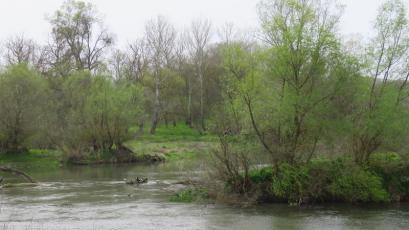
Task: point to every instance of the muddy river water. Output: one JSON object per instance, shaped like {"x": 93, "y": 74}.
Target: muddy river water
{"x": 96, "y": 197}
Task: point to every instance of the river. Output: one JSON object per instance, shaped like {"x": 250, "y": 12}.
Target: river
{"x": 96, "y": 198}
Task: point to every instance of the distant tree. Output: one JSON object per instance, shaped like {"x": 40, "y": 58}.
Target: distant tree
{"x": 184, "y": 70}
{"x": 160, "y": 44}
{"x": 79, "y": 38}
{"x": 199, "y": 40}
{"x": 118, "y": 64}
{"x": 21, "y": 50}
{"x": 137, "y": 60}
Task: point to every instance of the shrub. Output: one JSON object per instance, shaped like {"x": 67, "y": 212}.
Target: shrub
{"x": 320, "y": 181}
{"x": 231, "y": 165}
{"x": 358, "y": 185}
{"x": 290, "y": 183}
{"x": 261, "y": 175}
{"x": 395, "y": 173}
{"x": 190, "y": 195}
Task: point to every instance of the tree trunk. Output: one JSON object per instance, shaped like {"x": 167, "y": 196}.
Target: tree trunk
{"x": 155, "y": 117}
{"x": 189, "y": 104}
{"x": 202, "y": 120}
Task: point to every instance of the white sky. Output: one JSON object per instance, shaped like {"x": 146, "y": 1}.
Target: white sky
{"x": 126, "y": 18}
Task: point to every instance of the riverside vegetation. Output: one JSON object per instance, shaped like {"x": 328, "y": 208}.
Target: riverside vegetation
{"x": 298, "y": 115}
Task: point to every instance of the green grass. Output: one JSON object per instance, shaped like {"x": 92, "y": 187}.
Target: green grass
{"x": 33, "y": 160}
{"x": 181, "y": 132}
{"x": 174, "y": 143}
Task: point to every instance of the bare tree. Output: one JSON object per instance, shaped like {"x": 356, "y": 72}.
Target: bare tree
{"x": 22, "y": 50}
{"x": 199, "y": 41}
{"x": 160, "y": 41}
{"x": 137, "y": 60}
{"x": 227, "y": 33}
{"x": 117, "y": 64}
{"x": 19, "y": 50}
{"x": 182, "y": 62}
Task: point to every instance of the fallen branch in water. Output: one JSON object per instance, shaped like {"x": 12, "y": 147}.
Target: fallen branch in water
{"x": 17, "y": 172}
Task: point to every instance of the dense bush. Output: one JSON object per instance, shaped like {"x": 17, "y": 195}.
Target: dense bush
{"x": 23, "y": 100}
{"x": 358, "y": 185}
{"x": 394, "y": 169}
{"x": 290, "y": 183}
{"x": 323, "y": 181}
{"x": 97, "y": 114}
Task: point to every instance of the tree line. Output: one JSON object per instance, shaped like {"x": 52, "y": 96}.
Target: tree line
{"x": 294, "y": 86}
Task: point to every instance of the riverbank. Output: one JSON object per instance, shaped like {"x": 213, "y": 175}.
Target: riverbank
{"x": 384, "y": 180}
{"x": 170, "y": 143}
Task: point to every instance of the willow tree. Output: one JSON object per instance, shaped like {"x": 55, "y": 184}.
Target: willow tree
{"x": 23, "y": 105}
{"x": 97, "y": 114}
{"x": 381, "y": 120}
{"x": 300, "y": 76}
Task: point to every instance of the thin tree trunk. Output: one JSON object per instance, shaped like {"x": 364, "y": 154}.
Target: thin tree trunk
{"x": 202, "y": 120}
{"x": 189, "y": 119}
{"x": 155, "y": 117}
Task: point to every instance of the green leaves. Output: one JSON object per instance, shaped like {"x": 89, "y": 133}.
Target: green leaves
{"x": 23, "y": 100}
{"x": 99, "y": 112}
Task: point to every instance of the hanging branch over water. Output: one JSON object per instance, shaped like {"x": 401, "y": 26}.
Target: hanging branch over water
{"x": 17, "y": 172}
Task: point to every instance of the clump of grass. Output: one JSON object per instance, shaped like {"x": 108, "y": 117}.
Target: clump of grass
{"x": 190, "y": 195}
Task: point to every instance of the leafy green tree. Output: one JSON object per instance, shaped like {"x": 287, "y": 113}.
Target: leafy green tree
{"x": 381, "y": 119}
{"x": 299, "y": 77}
{"x": 23, "y": 102}
{"x": 99, "y": 113}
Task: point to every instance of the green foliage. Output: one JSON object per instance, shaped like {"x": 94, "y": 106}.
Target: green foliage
{"x": 190, "y": 195}
{"x": 97, "y": 113}
{"x": 358, "y": 185}
{"x": 178, "y": 142}
{"x": 290, "y": 183}
{"x": 33, "y": 160}
{"x": 320, "y": 181}
{"x": 394, "y": 169}
{"x": 261, "y": 176}
{"x": 23, "y": 100}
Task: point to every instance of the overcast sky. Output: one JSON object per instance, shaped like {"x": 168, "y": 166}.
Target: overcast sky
{"x": 126, "y": 18}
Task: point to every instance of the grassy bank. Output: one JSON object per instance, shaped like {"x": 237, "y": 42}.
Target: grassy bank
{"x": 168, "y": 144}
{"x": 33, "y": 160}
{"x": 172, "y": 143}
